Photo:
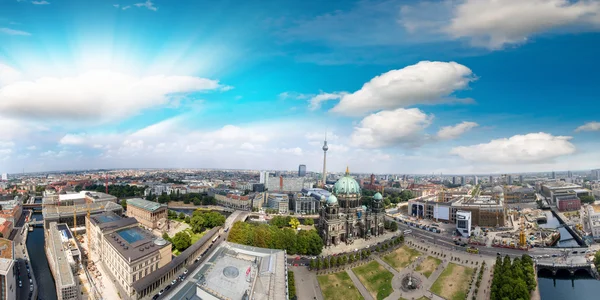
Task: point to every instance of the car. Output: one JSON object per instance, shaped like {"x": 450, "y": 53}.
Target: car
{"x": 161, "y": 292}
{"x": 167, "y": 288}
{"x": 185, "y": 271}
{"x": 30, "y": 281}
{"x": 31, "y": 288}
{"x": 155, "y": 297}
{"x": 498, "y": 253}
{"x": 20, "y": 283}
{"x": 183, "y": 278}
{"x": 174, "y": 281}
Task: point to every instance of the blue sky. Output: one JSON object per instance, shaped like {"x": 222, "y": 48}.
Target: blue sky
{"x": 471, "y": 86}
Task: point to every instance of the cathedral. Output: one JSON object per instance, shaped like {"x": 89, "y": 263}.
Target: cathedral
{"x": 343, "y": 218}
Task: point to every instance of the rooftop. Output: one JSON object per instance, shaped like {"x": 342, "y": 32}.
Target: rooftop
{"x": 109, "y": 220}
{"x": 596, "y": 208}
{"x": 144, "y": 204}
{"x": 134, "y": 243}
{"x": 6, "y": 249}
{"x": 62, "y": 270}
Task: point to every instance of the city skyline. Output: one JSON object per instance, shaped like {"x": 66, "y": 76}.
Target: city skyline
{"x": 158, "y": 84}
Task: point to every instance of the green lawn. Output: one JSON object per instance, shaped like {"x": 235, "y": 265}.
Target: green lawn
{"x": 428, "y": 265}
{"x": 453, "y": 283}
{"x": 195, "y": 237}
{"x": 401, "y": 257}
{"x": 338, "y": 286}
{"x": 376, "y": 279}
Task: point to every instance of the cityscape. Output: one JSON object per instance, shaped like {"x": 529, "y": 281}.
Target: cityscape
{"x": 299, "y": 150}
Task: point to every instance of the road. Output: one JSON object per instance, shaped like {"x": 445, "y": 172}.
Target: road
{"x": 19, "y": 246}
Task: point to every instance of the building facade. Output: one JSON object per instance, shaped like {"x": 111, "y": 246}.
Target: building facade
{"x": 301, "y": 170}
{"x": 280, "y": 202}
{"x": 343, "y": 218}
{"x": 63, "y": 258}
{"x": 568, "y": 203}
{"x": 8, "y": 278}
{"x": 463, "y": 223}
{"x": 304, "y": 204}
{"x": 150, "y": 214}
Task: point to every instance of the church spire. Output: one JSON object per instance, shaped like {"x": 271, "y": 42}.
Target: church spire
{"x": 347, "y": 170}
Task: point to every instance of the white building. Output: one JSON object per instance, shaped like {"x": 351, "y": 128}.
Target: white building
{"x": 280, "y": 202}
{"x": 463, "y": 223}
{"x": 593, "y": 218}
{"x": 4, "y": 177}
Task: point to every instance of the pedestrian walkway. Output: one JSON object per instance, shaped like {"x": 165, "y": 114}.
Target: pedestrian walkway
{"x": 361, "y": 288}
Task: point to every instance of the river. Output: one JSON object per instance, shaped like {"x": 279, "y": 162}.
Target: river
{"x": 39, "y": 262}
{"x": 561, "y": 288}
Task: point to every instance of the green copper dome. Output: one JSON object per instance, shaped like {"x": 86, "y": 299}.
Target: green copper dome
{"x": 346, "y": 185}
{"x": 377, "y": 196}
{"x": 332, "y": 200}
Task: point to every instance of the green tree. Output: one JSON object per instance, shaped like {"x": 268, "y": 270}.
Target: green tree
{"x": 187, "y": 219}
{"x": 166, "y": 236}
{"x": 197, "y": 201}
{"x": 182, "y": 240}
{"x": 124, "y": 203}
{"x": 587, "y": 199}
{"x": 181, "y": 216}
{"x": 309, "y": 221}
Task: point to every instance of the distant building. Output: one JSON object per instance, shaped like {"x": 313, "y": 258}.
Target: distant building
{"x": 4, "y": 177}
{"x": 568, "y": 202}
{"x": 280, "y": 202}
{"x": 301, "y": 170}
{"x": 491, "y": 179}
{"x": 463, "y": 180}
{"x": 289, "y": 184}
{"x": 304, "y": 204}
{"x": 554, "y": 189}
{"x": 463, "y": 223}
{"x": 475, "y": 180}
{"x": 521, "y": 179}
{"x": 150, "y": 214}
{"x": 454, "y": 180}
{"x": 510, "y": 180}
{"x": 519, "y": 195}
{"x": 258, "y": 187}
{"x": 569, "y": 174}
{"x": 553, "y": 175}
{"x": 8, "y": 274}
{"x": 593, "y": 218}
{"x": 264, "y": 177}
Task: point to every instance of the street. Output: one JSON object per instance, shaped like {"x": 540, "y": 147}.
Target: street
{"x": 23, "y": 292}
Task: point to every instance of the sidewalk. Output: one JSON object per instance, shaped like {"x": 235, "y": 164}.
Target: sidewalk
{"x": 361, "y": 288}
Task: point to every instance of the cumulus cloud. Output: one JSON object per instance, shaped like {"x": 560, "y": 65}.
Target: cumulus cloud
{"x": 389, "y": 128}
{"x": 519, "y": 149}
{"x": 95, "y": 96}
{"x": 427, "y": 82}
{"x": 494, "y": 24}
{"x": 590, "y": 126}
{"x": 452, "y": 132}
{"x": 72, "y": 139}
{"x": 8, "y": 75}
{"x": 316, "y": 101}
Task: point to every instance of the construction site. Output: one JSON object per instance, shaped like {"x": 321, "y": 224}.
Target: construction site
{"x": 529, "y": 233}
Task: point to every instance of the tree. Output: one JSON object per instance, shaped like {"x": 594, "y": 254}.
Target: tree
{"x": 187, "y": 219}
{"x": 182, "y": 240}
{"x": 587, "y": 199}
{"x": 294, "y": 223}
{"x": 166, "y": 236}
{"x": 309, "y": 221}
{"x": 394, "y": 226}
{"x": 124, "y": 203}
{"x": 181, "y": 216}
{"x": 196, "y": 201}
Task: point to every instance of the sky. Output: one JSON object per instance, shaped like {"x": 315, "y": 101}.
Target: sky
{"x": 400, "y": 87}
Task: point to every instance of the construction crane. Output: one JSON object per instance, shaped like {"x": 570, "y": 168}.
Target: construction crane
{"x": 522, "y": 240}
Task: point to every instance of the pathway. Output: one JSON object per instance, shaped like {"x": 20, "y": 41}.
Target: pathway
{"x": 361, "y": 288}
{"x": 307, "y": 286}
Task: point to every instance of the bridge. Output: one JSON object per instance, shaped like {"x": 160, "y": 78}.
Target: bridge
{"x": 566, "y": 268}
{"x": 36, "y": 223}
{"x": 32, "y": 205}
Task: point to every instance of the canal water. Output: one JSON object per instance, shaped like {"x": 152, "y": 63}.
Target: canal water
{"x": 39, "y": 262}
{"x": 561, "y": 288}
{"x": 566, "y": 239}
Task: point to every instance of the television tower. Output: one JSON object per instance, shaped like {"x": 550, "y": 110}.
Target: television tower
{"x": 325, "y": 148}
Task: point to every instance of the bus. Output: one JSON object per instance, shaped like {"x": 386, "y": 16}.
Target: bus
{"x": 407, "y": 232}
{"x": 215, "y": 239}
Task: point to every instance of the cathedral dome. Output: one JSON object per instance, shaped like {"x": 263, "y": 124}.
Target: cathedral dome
{"x": 377, "y": 196}
{"x": 346, "y": 185}
{"x": 498, "y": 190}
{"x": 332, "y": 200}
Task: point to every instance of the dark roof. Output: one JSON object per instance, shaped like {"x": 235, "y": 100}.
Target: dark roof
{"x": 147, "y": 245}
{"x": 157, "y": 274}
{"x": 109, "y": 220}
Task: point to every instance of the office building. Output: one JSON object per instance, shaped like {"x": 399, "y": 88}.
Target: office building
{"x": 4, "y": 177}
{"x": 593, "y": 218}
{"x": 463, "y": 223}
{"x": 554, "y": 189}
{"x": 475, "y": 180}
{"x": 264, "y": 176}
{"x": 304, "y": 204}
{"x": 301, "y": 170}
{"x": 343, "y": 218}
{"x": 8, "y": 274}
{"x": 258, "y": 187}
{"x": 491, "y": 179}
{"x": 150, "y": 214}
{"x": 454, "y": 180}
{"x": 280, "y": 202}
{"x": 553, "y": 175}
{"x": 127, "y": 251}
{"x": 510, "y": 180}
{"x": 231, "y": 198}
{"x": 569, "y": 174}
{"x": 289, "y": 184}
{"x": 521, "y": 179}
{"x": 463, "y": 180}
{"x": 64, "y": 258}
{"x": 568, "y": 202}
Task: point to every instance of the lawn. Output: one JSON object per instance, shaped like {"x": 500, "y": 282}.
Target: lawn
{"x": 376, "y": 279}
{"x": 338, "y": 286}
{"x": 195, "y": 237}
{"x": 428, "y": 266}
{"x": 453, "y": 283}
{"x": 401, "y": 258}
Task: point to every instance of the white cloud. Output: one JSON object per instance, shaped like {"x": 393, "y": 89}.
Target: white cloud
{"x": 10, "y": 31}
{"x": 452, "y": 132}
{"x": 389, "y": 128}
{"x": 7, "y": 144}
{"x": 316, "y": 101}
{"x": 31, "y": 148}
{"x": 11, "y": 129}
{"x": 95, "y": 96}
{"x": 40, "y": 2}
{"x": 294, "y": 95}
{"x": 148, "y": 4}
{"x": 294, "y": 151}
{"x": 320, "y": 136}
{"x": 590, "y": 126}
{"x": 8, "y": 75}
{"x": 116, "y": 5}
{"x": 519, "y": 149}
{"x": 427, "y": 82}
{"x": 126, "y": 7}
{"x": 72, "y": 139}
{"x": 494, "y": 24}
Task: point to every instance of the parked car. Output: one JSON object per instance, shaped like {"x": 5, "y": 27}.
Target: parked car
{"x": 20, "y": 283}
{"x": 174, "y": 281}
{"x": 185, "y": 271}
{"x": 155, "y": 297}
{"x": 161, "y": 292}
{"x": 168, "y": 287}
